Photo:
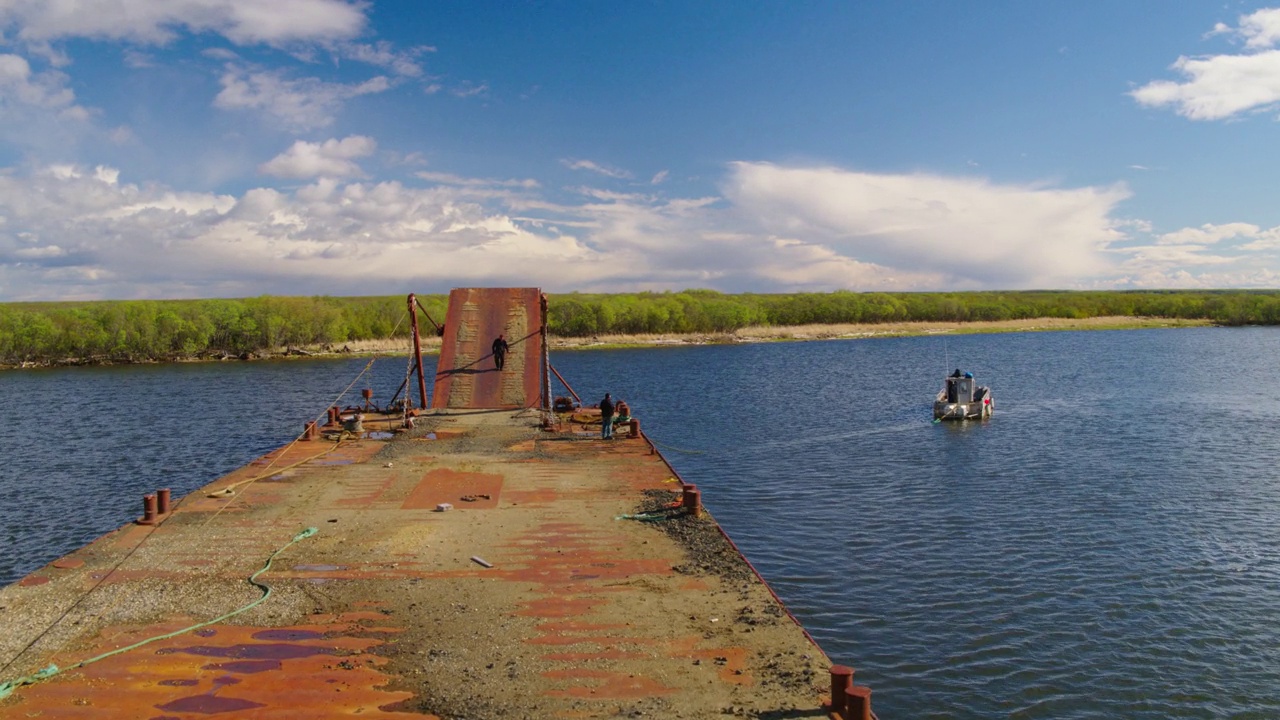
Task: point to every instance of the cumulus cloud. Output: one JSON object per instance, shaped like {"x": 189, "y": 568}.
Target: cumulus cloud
{"x": 18, "y": 84}
{"x": 970, "y": 230}
{"x": 302, "y": 103}
{"x": 73, "y": 232}
{"x": 82, "y": 233}
{"x": 243, "y": 22}
{"x": 1217, "y": 87}
{"x": 332, "y": 158}
{"x": 1209, "y": 234}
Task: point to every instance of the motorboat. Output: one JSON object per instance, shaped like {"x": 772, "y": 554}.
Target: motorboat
{"x": 962, "y": 398}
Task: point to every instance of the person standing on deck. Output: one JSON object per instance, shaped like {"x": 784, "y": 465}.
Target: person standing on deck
{"x": 606, "y": 418}
{"x": 500, "y": 348}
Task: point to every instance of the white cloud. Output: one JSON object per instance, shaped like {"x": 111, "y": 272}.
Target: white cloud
{"x": 596, "y": 168}
{"x": 73, "y": 232}
{"x": 658, "y": 178}
{"x": 1260, "y": 29}
{"x": 43, "y": 90}
{"x": 332, "y": 158}
{"x": 302, "y": 104}
{"x": 467, "y": 89}
{"x": 1217, "y": 87}
{"x": 451, "y": 179}
{"x": 1209, "y": 234}
{"x": 975, "y": 232}
{"x": 384, "y": 54}
{"x": 243, "y": 22}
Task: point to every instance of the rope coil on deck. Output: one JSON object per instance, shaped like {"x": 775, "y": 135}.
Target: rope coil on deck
{"x": 7, "y": 688}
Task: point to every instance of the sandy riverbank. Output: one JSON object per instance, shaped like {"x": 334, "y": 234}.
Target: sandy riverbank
{"x": 815, "y": 332}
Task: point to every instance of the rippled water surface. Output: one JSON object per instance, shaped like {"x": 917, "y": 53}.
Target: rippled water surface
{"x": 1108, "y": 545}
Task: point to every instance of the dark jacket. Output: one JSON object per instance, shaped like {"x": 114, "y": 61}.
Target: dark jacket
{"x": 606, "y": 407}
{"x": 500, "y": 346}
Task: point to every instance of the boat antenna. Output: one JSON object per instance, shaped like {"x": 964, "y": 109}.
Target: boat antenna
{"x": 946, "y": 357}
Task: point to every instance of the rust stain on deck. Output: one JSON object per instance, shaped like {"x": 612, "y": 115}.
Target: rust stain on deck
{"x": 465, "y": 490}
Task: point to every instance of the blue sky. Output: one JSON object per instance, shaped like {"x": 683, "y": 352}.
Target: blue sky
{"x": 222, "y": 148}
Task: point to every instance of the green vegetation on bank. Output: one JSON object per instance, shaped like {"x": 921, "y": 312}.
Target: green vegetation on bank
{"x": 138, "y": 330}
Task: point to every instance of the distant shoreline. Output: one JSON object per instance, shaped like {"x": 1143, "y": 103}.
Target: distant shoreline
{"x": 753, "y": 334}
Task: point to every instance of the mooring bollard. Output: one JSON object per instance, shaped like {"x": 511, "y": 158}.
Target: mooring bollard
{"x": 162, "y": 501}
{"x": 841, "y": 681}
{"x": 859, "y": 703}
{"x": 635, "y": 427}
{"x": 310, "y": 432}
{"x": 148, "y": 510}
{"x": 691, "y": 500}
{"x": 334, "y": 416}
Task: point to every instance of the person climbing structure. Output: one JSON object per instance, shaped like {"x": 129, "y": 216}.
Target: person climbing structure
{"x": 500, "y": 348}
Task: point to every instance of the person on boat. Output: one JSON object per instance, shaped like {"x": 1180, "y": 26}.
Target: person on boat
{"x": 500, "y": 348}
{"x": 606, "y": 418}
{"x": 957, "y": 373}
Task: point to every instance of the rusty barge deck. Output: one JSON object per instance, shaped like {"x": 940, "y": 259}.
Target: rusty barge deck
{"x": 572, "y": 577}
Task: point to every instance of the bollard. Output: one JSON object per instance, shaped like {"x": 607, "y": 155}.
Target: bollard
{"x": 162, "y": 501}
{"x": 310, "y": 432}
{"x": 635, "y": 427}
{"x": 334, "y": 416}
{"x": 691, "y": 500}
{"x": 859, "y": 703}
{"x": 841, "y": 681}
{"x": 148, "y": 510}
{"x": 367, "y": 394}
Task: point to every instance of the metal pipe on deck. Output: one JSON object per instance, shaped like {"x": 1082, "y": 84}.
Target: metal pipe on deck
{"x": 562, "y": 380}
{"x": 546, "y": 356}
{"x": 417, "y": 349}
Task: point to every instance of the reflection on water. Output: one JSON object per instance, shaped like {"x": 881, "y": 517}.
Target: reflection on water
{"x": 1107, "y": 545}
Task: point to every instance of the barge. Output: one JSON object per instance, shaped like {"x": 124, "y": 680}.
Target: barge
{"x": 478, "y": 556}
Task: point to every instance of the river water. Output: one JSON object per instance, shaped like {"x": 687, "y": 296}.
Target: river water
{"x": 1107, "y": 545}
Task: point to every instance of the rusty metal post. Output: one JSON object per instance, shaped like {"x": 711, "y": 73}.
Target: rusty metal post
{"x": 310, "y": 432}
{"x": 859, "y": 703}
{"x": 417, "y": 350}
{"x": 334, "y": 415}
{"x": 162, "y": 501}
{"x": 148, "y": 510}
{"x": 841, "y": 681}
{"x": 691, "y": 500}
{"x": 367, "y": 394}
{"x": 546, "y": 356}
{"x": 564, "y": 382}
{"x": 635, "y": 427}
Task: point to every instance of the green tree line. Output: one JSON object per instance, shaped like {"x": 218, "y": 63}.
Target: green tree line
{"x": 137, "y": 330}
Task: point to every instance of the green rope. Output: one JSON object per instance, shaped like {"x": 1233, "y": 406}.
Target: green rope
{"x": 7, "y": 688}
{"x": 665, "y": 446}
